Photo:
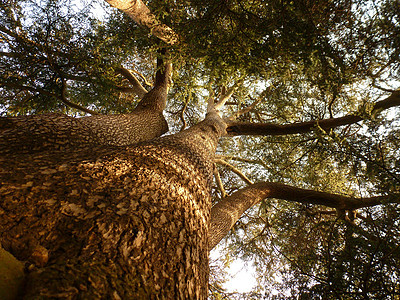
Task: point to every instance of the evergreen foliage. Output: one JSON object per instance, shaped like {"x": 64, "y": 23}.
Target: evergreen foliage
{"x": 305, "y": 60}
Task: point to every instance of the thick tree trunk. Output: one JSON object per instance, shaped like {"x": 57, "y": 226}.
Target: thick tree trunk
{"x": 27, "y": 134}
{"x": 112, "y": 222}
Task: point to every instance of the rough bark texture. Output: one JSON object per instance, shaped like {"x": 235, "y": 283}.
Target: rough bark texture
{"x": 139, "y": 12}
{"x": 28, "y": 134}
{"x": 112, "y": 222}
{"x": 58, "y": 131}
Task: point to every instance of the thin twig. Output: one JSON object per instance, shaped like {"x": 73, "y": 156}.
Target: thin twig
{"x": 63, "y": 98}
{"x": 182, "y": 116}
{"x": 219, "y": 182}
{"x": 60, "y": 97}
{"x": 234, "y": 170}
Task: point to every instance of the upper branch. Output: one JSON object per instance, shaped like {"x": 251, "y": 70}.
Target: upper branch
{"x": 266, "y": 129}
{"x": 140, "y": 13}
{"x": 156, "y": 98}
{"x": 64, "y": 99}
{"x": 226, "y": 94}
{"x": 61, "y": 97}
{"x": 137, "y": 87}
{"x": 226, "y": 212}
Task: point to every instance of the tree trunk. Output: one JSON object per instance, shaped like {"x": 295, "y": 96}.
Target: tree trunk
{"x": 112, "y": 222}
{"x": 57, "y": 131}
{"x": 27, "y": 134}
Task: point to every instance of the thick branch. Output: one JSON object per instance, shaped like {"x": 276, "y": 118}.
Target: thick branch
{"x": 226, "y": 212}
{"x": 139, "y": 12}
{"x": 267, "y": 129}
{"x": 156, "y": 98}
{"x": 227, "y": 94}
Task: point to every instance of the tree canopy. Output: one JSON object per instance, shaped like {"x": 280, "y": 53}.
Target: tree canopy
{"x": 313, "y": 88}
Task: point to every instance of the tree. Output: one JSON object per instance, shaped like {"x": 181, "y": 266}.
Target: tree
{"x": 106, "y": 206}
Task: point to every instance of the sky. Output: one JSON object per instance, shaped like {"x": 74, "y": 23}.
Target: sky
{"x": 242, "y": 275}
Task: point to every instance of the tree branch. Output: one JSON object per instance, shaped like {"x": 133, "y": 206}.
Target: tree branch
{"x": 140, "y": 13}
{"x": 146, "y": 82}
{"x": 137, "y": 87}
{"x": 219, "y": 183}
{"x": 164, "y": 69}
{"x": 156, "y": 98}
{"x": 234, "y": 170}
{"x": 182, "y": 115}
{"x": 62, "y": 97}
{"x": 226, "y": 94}
{"x": 253, "y": 105}
{"x": 268, "y": 129}
{"x": 226, "y": 212}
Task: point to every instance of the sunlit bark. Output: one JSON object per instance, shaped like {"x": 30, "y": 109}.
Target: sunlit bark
{"x": 139, "y": 12}
{"x": 57, "y": 131}
{"x": 113, "y": 222}
{"x": 226, "y": 212}
{"x": 137, "y": 87}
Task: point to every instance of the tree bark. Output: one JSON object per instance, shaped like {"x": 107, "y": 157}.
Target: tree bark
{"x": 139, "y": 12}
{"x": 226, "y": 212}
{"x": 56, "y": 131}
{"x": 137, "y": 87}
{"x": 26, "y": 134}
{"x": 113, "y": 222}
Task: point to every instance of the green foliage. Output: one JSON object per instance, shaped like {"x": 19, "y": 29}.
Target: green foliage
{"x": 46, "y": 43}
{"x": 307, "y": 60}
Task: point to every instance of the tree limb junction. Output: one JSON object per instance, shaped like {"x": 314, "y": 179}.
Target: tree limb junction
{"x": 226, "y": 212}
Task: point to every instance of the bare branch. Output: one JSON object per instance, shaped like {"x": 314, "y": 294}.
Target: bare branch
{"x": 268, "y": 129}
{"x": 219, "y": 182}
{"x": 140, "y": 13}
{"x": 234, "y": 170}
{"x": 182, "y": 116}
{"x": 226, "y": 212}
{"x": 138, "y": 89}
{"x": 226, "y": 94}
{"x": 253, "y": 105}
{"x": 61, "y": 97}
{"x": 146, "y": 82}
